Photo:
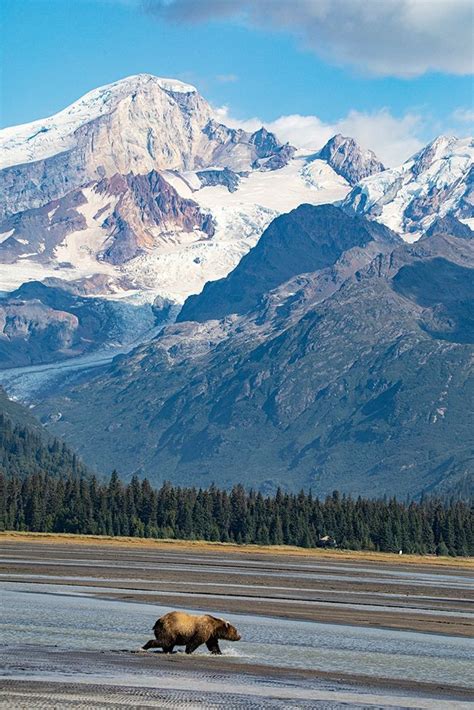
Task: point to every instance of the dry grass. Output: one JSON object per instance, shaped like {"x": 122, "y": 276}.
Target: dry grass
{"x": 204, "y": 546}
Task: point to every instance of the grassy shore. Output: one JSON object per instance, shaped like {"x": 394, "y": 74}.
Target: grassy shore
{"x": 230, "y": 548}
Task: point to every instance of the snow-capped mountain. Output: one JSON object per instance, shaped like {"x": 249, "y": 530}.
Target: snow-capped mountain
{"x": 139, "y": 124}
{"x": 138, "y": 181}
{"x": 134, "y": 196}
{"x": 437, "y": 181}
{"x": 45, "y": 138}
{"x": 140, "y": 190}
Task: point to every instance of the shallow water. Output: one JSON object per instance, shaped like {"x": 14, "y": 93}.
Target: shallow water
{"x": 31, "y": 615}
{"x": 90, "y": 589}
{"x": 64, "y": 579}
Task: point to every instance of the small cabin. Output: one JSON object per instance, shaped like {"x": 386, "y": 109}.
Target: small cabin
{"x": 326, "y": 541}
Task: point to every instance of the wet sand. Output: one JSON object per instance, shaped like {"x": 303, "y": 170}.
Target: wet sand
{"x": 421, "y": 597}
{"x": 362, "y": 593}
{"x": 124, "y": 679}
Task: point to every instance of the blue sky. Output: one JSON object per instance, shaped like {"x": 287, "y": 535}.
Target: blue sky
{"x": 261, "y": 67}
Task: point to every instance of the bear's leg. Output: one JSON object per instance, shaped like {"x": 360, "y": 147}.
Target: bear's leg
{"x": 193, "y": 644}
{"x": 213, "y": 646}
{"x": 151, "y": 644}
{"x": 168, "y": 649}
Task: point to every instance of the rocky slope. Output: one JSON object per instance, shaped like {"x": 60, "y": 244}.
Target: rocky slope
{"x": 303, "y": 241}
{"x": 347, "y": 159}
{"x": 146, "y": 211}
{"x": 42, "y": 323}
{"x": 130, "y": 214}
{"x": 352, "y": 375}
{"x": 437, "y": 181}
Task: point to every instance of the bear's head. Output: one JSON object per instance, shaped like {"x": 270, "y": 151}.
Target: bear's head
{"x": 227, "y": 632}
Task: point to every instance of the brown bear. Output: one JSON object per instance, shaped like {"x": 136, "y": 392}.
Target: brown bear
{"x": 181, "y": 629}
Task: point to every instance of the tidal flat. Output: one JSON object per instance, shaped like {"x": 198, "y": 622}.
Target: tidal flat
{"x": 317, "y": 630}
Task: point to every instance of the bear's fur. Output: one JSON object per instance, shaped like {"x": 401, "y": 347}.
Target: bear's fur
{"x": 181, "y": 629}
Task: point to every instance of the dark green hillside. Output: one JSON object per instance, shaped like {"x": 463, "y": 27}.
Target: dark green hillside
{"x": 26, "y": 448}
{"x": 18, "y": 413}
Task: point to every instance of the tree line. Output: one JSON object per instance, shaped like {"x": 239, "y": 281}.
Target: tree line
{"x": 44, "y": 487}
{"x": 67, "y": 503}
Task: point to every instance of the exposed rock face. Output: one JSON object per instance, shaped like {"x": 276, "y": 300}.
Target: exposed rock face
{"x": 238, "y": 149}
{"x": 138, "y": 124}
{"x": 224, "y": 177}
{"x": 450, "y": 225}
{"x": 146, "y": 210}
{"x": 164, "y": 310}
{"x": 39, "y": 231}
{"x": 131, "y": 214}
{"x": 352, "y": 376}
{"x": 271, "y": 154}
{"x": 436, "y": 182}
{"x": 34, "y": 184}
{"x": 30, "y": 332}
{"x": 347, "y": 159}
{"x": 465, "y": 207}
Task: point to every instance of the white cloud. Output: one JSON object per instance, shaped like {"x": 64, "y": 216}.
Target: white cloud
{"x": 392, "y": 139}
{"x": 227, "y": 78}
{"x": 402, "y": 38}
{"x": 463, "y": 115}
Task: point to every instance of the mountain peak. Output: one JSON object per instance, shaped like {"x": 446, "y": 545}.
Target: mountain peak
{"x": 441, "y": 147}
{"x": 137, "y": 124}
{"x": 440, "y": 142}
{"x": 45, "y": 137}
{"x": 174, "y": 86}
{"x": 436, "y": 181}
{"x": 348, "y": 159}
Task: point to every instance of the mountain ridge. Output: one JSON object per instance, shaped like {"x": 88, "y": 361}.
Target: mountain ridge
{"x": 435, "y": 182}
{"x": 337, "y": 379}
{"x": 305, "y": 241}
{"x": 138, "y": 124}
